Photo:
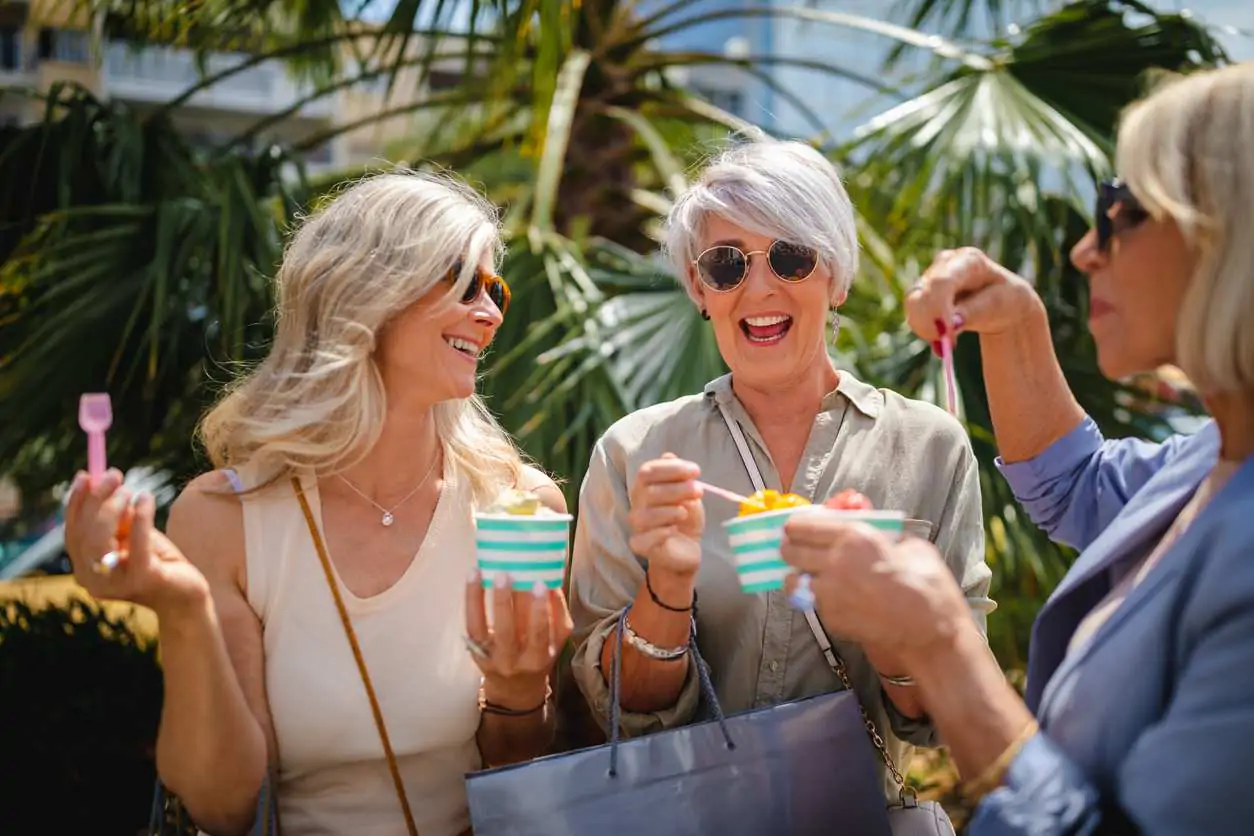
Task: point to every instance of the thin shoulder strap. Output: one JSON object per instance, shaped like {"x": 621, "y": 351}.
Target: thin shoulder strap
{"x": 816, "y": 627}
{"x": 742, "y": 445}
{"x": 357, "y": 655}
{"x": 232, "y": 476}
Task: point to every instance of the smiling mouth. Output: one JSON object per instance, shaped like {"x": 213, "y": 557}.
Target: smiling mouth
{"x": 765, "y": 330}
{"x": 465, "y": 347}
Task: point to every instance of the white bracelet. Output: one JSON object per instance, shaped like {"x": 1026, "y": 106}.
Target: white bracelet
{"x": 650, "y": 649}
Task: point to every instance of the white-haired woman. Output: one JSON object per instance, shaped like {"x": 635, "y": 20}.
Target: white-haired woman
{"x": 1141, "y": 676}
{"x": 337, "y": 534}
{"x": 766, "y": 245}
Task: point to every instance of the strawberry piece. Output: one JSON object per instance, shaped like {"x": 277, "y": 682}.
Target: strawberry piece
{"x": 849, "y": 500}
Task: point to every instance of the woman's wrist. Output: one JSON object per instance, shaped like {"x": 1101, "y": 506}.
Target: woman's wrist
{"x": 966, "y": 695}
{"x": 191, "y": 611}
{"x": 671, "y": 591}
{"x": 515, "y": 697}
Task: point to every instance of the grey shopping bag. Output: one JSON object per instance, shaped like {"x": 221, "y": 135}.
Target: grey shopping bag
{"x": 804, "y": 768}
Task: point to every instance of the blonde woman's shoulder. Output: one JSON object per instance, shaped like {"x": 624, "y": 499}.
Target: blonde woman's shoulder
{"x": 534, "y": 479}
{"x": 207, "y": 524}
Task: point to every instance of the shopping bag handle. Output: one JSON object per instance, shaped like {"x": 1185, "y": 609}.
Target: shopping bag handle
{"x": 616, "y": 672}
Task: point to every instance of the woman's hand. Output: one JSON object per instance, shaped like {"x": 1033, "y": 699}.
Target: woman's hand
{"x": 517, "y": 654}
{"x": 666, "y": 516}
{"x": 899, "y": 597}
{"x": 966, "y": 286}
{"x": 118, "y": 553}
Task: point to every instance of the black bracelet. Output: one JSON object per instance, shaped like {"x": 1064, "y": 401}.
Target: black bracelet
{"x": 648, "y": 584}
{"x": 492, "y": 708}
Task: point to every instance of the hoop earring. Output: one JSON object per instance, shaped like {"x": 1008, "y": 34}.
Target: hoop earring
{"x": 705, "y": 314}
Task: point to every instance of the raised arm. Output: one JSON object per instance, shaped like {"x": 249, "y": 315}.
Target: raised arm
{"x": 216, "y": 738}
{"x": 1076, "y": 486}
{"x": 605, "y": 577}
{"x": 215, "y": 728}
{"x": 1071, "y": 481}
{"x": 520, "y": 732}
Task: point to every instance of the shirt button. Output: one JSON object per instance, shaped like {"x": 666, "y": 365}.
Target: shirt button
{"x": 774, "y": 666}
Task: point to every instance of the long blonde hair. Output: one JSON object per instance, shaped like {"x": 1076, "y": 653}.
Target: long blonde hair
{"x": 317, "y": 400}
{"x": 1184, "y": 151}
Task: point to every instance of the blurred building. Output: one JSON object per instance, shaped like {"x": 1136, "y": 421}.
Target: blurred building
{"x": 44, "y": 42}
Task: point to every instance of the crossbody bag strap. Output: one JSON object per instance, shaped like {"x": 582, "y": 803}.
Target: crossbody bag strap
{"x": 742, "y": 445}
{"x": 837, "y": 665}
{"x": 816, "y": 627}
{"x": 357, "y": 655}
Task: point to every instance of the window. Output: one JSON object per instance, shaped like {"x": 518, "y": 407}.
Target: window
{"x": 439, "y": 81}
{"x": 729, "y": 100}
{"x": 10, "y": 48}
{"x": 66, "y": 45}
{"x": 320, "y": 155}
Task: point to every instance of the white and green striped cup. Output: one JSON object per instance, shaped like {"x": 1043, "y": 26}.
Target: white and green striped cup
{"x": 527, "y": 548}
{"x": 755, "y": 541}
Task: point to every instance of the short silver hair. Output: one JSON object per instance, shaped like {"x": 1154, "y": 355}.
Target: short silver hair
{"x": 784, "y": 189}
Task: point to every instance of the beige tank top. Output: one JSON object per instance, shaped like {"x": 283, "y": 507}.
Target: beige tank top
{"x": 333, "y": 777}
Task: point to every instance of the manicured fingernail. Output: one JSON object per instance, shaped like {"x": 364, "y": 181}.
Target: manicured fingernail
{"x": 501, "y": 581}
{"x": 940, "y": 326}
{"x": 936, "y": 347}
{"x": 959, "y": 321}
{"x": 139, "y": 497}
{"x": 539, "y": 590}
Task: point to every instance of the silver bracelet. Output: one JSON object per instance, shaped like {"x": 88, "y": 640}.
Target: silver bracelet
{"x": 899, "y": 681}
{"x": 648, "y": 648}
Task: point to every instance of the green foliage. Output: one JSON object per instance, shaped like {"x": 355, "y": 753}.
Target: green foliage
{"x": 130, "y": 265}
{"x": 138, "y": 265}
{"x": 80, "y": 704}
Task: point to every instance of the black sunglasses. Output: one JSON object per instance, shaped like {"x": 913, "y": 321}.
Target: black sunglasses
{"x": 1127, "y": 211}
{"x": 724, "y": 267}
{"x": 497, "y": 289}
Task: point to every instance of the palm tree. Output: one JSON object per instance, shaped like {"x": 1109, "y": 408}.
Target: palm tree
{"x": 137, "y": 263}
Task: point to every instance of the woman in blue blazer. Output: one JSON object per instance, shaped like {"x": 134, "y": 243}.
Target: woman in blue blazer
{"x": 1140, "y": 697}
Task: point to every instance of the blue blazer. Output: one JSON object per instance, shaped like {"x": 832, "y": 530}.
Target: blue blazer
{"x": 1149, "y": 727}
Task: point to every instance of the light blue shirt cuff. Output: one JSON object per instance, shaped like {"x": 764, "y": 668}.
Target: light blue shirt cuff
{"x": 1056, "y": 460}
{"x": 1043, "y": 793}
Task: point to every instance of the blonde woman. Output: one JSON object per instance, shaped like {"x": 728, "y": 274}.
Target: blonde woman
{"x": 1140, "y": 692}
{"x": 359, "y": 438}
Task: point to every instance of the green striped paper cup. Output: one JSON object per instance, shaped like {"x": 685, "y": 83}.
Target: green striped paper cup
{"x": 755, "y": 542}
{"x": 527, "y": 548}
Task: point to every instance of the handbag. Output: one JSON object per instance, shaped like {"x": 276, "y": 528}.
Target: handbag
{"x": 802, "y": 768}
{"x": 908, "y": 816}
{"x": 169, "y": 817}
